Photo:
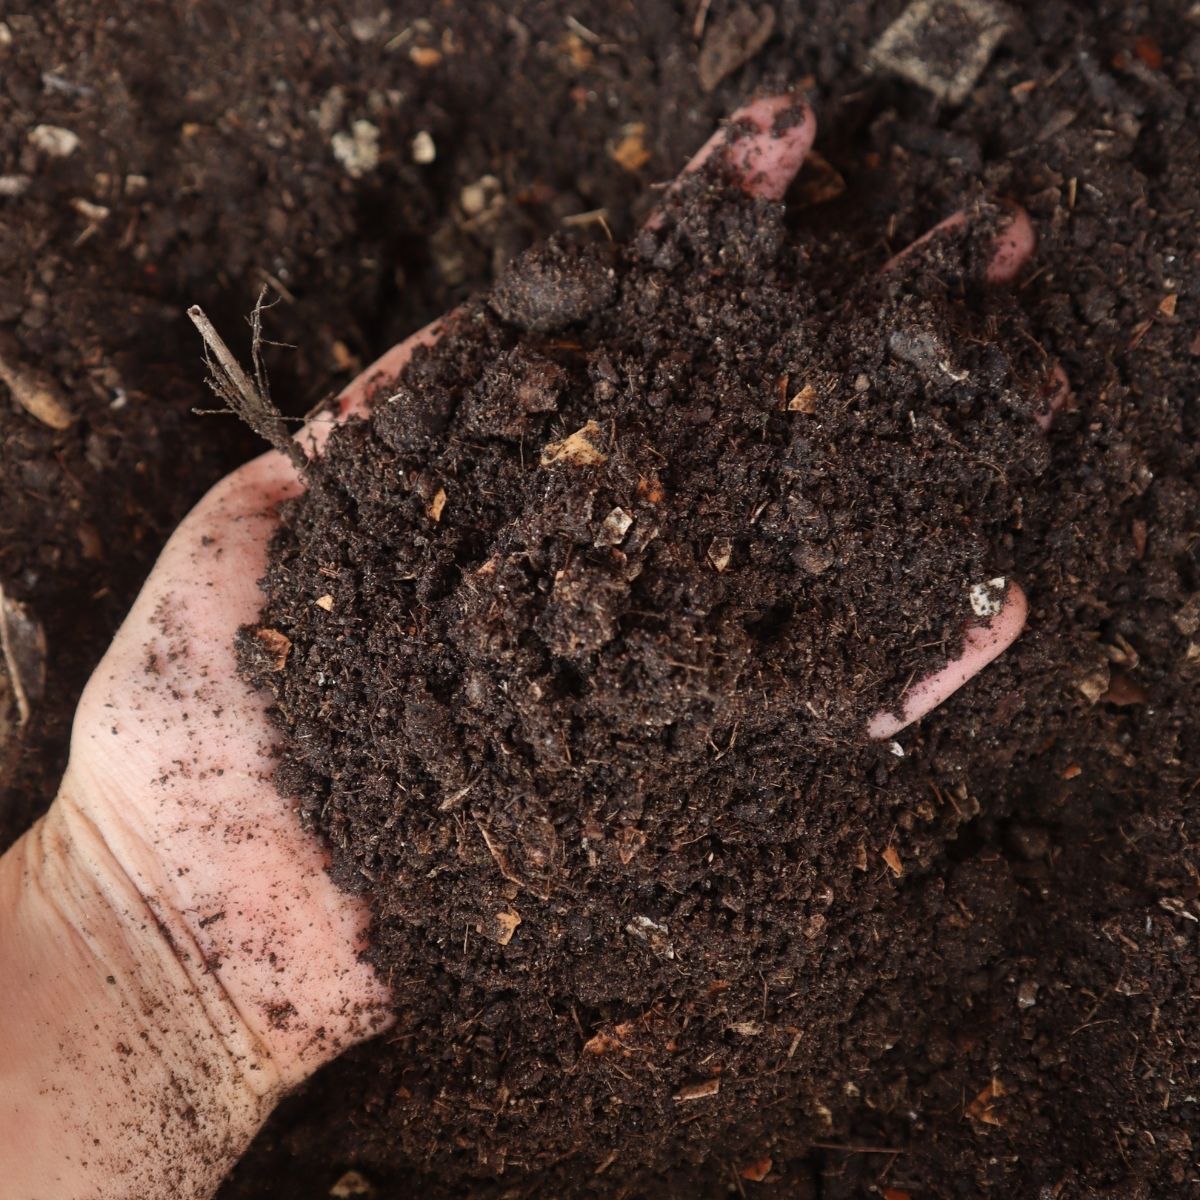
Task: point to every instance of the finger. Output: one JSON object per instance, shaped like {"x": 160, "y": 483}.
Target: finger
{"x": 356, "y": 398}
{"x": 981, "y": 644}
{"x": 764, "y": 143}
{"x": 1012, "y": 249}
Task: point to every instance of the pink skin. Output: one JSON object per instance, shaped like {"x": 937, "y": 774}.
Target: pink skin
{"x": 174, "y": 955}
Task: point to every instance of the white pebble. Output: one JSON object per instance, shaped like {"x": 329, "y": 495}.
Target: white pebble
{"x": 896, "y": 749}
{"x": 54, "y": 141}
{"x": 423, "y": 149}
{"x": 987, "y": 599}
{"x": 13, "y": 185}
{"x": 358, "y": 150}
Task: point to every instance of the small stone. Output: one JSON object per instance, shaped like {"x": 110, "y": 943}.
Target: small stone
{"x": 425, "y": 57}
{"x": 358, "y": 150}
{"x": 896, "y": 749}
{"x": 862, "y": 384}
{"x": 14, "y": 185}
{"x": 325, "y": 602}
{"x": 54, "y": 141}
{"x": 613, "y": 528}
{"x": 6, "y": 34}
{"x": 987, "y": 599}
{"x": 424, "y": 151}
{"x": 943, "y": 45}
{"x": 1027, "y": 994}
{"x": 1095, "y": 684}
{"x": 477, "y": 197}
{"x": 350, "y": 1185}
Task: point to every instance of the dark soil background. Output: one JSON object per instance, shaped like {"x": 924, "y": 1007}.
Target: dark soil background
{"x": 1056, "y": 1053}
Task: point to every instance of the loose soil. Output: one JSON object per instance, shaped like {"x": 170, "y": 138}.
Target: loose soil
{"x": 1014, "y": 1010}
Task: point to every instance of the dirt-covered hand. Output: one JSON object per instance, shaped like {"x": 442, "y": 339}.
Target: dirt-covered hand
{"x": 183, "y": 954}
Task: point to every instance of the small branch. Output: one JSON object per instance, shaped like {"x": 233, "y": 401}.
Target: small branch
{"x": 249, "y": 399}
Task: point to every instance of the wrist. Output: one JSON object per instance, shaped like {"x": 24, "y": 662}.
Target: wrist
{"x": 123, "y": 1066}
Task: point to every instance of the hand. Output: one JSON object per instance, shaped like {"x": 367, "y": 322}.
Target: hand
{"x": 173, "y": 952}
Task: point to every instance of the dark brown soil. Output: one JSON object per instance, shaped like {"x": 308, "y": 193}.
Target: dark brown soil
{"x": 1030, "y": 1023}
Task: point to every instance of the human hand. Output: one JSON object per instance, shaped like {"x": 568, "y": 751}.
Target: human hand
{"x": 169, "y": 866}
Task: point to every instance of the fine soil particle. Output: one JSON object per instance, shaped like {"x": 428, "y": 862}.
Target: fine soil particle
{"x": 1043, "y": 1035}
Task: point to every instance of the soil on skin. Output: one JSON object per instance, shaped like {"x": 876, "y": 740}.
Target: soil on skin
{"x": 1042, "y": 1032}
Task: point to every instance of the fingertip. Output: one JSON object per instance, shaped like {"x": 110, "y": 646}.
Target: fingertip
{"x": 765, "y": 142}
{"x": 1013, "y": 247}
{"x": 767, "y": 160}
{"x": 981, "y": 644}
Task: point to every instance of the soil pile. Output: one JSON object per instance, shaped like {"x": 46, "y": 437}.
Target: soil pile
{"x": 586, "y": 624}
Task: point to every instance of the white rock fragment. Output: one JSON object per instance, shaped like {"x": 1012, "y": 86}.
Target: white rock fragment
{"x": 1027, "y": 994}
{"x": 896, "y": 749}
{"x": 54, "y": 141}
{"x": 358, "y": 150}
{"x": 424, "y": 151}
{"x": 14, "y": 185}
{"x": 614, "y": 527}
{"x": 479, "y": 196}
{"x": 349, "y": 1185}
{"x": 720, "y": 553}
{"x": 6, "y": 34}
{"x": 987, "y": 599}
{"x": 653, "y": 934}
{"x": 943, "y": 45}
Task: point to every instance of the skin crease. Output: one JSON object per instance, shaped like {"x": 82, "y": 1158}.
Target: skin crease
{"x": 173, "y": 955}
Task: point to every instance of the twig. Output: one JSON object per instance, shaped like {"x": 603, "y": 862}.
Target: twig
{"x": 249, "y": 399}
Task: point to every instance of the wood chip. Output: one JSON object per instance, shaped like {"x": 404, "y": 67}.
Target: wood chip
{"x": 601, "y": 1043}
{"x": 720, "y": 553}
{"x": 437, "y": 504}
{"x": 425, "y": 56}
{"x": 698, "y": 1091}
{"x": 732, "y": 42}
{"x": 891, "y": 856}
{"x": 982, "y": 1108}
{"x": 277, "y": 645}
{"x": 745, "y": 1028}
{"x": 1167, "y": 304}
{"x": 1124, "y": 692}
{"x": 629, "y": 151}
{"x": 24, "y": 661}
{"x": 757, "y": 1170}
{"x": 650, "y": 489}
{"x": 34, "y": 391}
{"x": 804, "y": 401}
{"x": 1071, "y": 771}
{"x": 325, "y": 602}
{"x": 579, "y": 449}
{"x": 506, "y": 922}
